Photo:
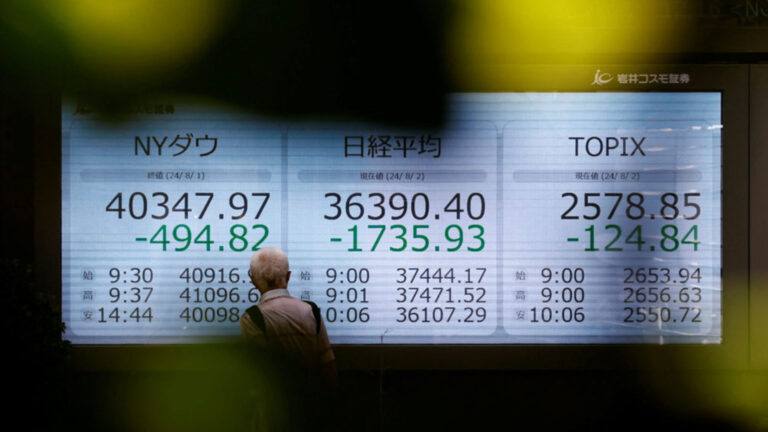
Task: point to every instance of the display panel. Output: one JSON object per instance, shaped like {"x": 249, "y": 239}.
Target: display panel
{"x": 528, "y": 218}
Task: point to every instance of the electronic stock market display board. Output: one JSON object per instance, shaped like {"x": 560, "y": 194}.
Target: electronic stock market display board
{"x": 528, "y": 218}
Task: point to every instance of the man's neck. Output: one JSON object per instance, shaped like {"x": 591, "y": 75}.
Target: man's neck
{"x": 266, "y": 290}
{"x": 274, "y": 293}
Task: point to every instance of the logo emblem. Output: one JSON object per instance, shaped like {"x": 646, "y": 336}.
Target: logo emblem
{"x": 602, "y": 78}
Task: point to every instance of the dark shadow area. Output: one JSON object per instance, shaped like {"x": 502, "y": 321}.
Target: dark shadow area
{"x": 399, "y": 401}
{"x": 372, "y": 61}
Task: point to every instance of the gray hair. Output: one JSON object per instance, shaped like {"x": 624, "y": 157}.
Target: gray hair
{"x": 269, "y": 265}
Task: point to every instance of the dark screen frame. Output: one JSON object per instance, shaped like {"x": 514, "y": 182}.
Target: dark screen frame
{"x": 733, "y": 353}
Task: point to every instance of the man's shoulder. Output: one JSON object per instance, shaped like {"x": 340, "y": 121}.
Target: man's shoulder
{"x": 304, "y": 307}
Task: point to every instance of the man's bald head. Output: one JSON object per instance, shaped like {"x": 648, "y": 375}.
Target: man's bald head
{"x": 269, "y": 269}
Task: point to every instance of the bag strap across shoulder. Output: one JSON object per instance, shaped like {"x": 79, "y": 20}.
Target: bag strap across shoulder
{"x": 255, "y": 313}
{"x": 316, "y": 314}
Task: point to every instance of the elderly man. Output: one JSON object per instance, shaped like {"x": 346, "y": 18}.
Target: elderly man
{"x": 284, "y": 323}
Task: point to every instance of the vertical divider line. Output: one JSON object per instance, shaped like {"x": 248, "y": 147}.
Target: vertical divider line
{"x": 284, "y": 188}
{"x": 499, "y": 231}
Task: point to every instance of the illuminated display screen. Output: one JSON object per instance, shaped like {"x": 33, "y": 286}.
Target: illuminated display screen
{"x": 528, "y": 218}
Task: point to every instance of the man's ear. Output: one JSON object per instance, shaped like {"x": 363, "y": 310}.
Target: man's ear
{"x": 288, "y": 277}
